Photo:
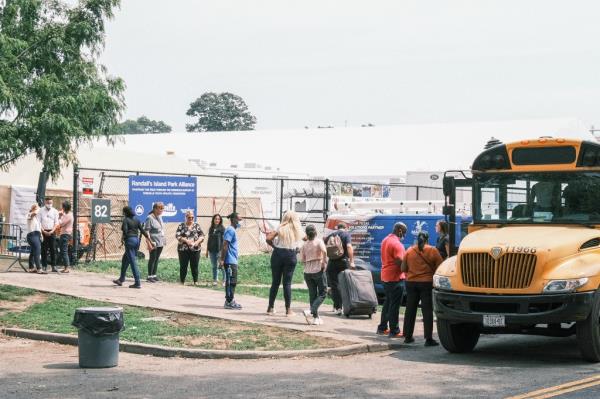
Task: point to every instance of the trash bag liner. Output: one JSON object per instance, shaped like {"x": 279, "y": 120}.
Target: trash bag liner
{"x": 99, "y": 321}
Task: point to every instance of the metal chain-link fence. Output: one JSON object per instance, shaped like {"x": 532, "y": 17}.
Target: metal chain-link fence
{"x": 260, "y": 201}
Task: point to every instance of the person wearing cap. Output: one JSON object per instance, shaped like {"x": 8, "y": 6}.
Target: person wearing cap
{"x": 49, "y": 220}
{"x": 229, "y": 260}
{"x": 392, "y": 254}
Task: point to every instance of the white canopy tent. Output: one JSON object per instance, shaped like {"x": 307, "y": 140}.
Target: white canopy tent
{"x": 386, "y": 150}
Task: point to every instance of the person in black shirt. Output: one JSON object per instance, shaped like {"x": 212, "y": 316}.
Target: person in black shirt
{"x": 131, "y": 228}
{"x": 336, "y": 266}
{"x": 215, "y": 245}
{"x": 443, "y": 241}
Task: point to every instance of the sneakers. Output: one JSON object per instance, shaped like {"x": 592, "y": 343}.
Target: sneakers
{"x": 308, "y": 316}
{"x": 155, "y": 279}
{"x": 395, "y": 334}
{"x": 316, "y": 321}
{"x": 338, "y": 312}
{"x": 431, "y": 342}
{"x": 232, "y": 305}
{"x": 289, "y": 313}
{"x": 118, "y": 282}
{"x": 271, "y": 311}
{"x": 409, "y": 340}
{"x": 214, "y": 283}
{"x": 383, "y": 332}
{"x": 150, "y": 280}
{"x": 135, "y": 286}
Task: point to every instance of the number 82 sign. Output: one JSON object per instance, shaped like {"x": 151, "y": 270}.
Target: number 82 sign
{"x": 100, "y": 210}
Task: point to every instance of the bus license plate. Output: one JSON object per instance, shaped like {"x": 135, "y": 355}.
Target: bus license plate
{"x": 494, "y": 320}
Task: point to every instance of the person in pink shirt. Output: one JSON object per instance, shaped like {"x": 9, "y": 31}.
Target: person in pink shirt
{"x": 65, "y": 221}
{"x": 313, "y": 255}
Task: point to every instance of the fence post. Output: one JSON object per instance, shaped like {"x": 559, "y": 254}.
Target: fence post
{"x": 281, "y": 187}
{"x": 75, "y": 214}
{"x": 234, "y": 193}
{"x": 326, "y": 207}
{"x": 417, "y": 193}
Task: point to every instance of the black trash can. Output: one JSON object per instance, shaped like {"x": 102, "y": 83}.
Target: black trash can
{"x": 99, "y": 330}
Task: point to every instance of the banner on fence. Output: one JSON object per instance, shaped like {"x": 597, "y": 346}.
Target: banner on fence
{"x": 178, "y": 193}
{"x": 21, "y": 199}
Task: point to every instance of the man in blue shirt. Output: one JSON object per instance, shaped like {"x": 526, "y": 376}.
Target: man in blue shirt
{"x": 229, "y": 261}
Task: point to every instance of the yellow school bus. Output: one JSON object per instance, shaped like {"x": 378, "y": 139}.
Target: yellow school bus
{"x": 531, "y": 261}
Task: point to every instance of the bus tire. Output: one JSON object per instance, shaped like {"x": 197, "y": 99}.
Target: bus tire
{"x": 457, "y": 338}
{"x": 588, "y": 333}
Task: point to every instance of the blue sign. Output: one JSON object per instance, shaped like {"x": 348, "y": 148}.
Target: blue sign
{"x": 177, "y": 193}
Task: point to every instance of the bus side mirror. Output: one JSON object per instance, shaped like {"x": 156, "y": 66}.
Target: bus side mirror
{"x": 449, "y": 186}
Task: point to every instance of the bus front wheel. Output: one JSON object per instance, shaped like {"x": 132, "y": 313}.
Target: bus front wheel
{"x": 588, "y": 333}
{"x": 458, "y": 338}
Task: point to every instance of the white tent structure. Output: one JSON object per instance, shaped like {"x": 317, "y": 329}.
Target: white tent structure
{"x": 387, "y": 150}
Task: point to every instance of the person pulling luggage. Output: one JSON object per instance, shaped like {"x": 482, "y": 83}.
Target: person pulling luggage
{"x": 341, "y": 257}
{"x": 392, "y": 254}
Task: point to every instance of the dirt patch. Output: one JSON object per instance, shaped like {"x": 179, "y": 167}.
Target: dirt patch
{"x": 9, "y": 306}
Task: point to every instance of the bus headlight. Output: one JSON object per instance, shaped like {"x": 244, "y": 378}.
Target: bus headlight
{"x": 442, "y": 282}
{"x": 561, "y": 286}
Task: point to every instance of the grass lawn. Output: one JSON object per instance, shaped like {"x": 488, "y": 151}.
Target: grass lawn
{"x": 151, "y": 326}
{"x": 14, "y": 294}
{"x": 253, "y": 270}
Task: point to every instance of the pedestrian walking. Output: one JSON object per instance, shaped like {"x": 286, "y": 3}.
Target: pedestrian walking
{"x": 190, "y": 237}
{"x": 443, "y": 240}
{"x": 131, "y": 228}
{"x": 420, "y": 263}
{"x": 65, "y": 222}
{"x": 154, "y": 226}
{"x": 49, "y": 220}
{"x": 286, "y": 241}
{"x": 34, "y": 239}
{"x": 214, "y": 247}
{"x": 392, "y": 254}
{"x": 229, "y": 260}
{"x": 314, "y": 257}
{"x": 341, "y": 257}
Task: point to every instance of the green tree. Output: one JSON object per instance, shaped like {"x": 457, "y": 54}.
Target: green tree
{"x": 142, "y": 125}
{"x": 220, "y": 112}
{"x": 53, "y": 93}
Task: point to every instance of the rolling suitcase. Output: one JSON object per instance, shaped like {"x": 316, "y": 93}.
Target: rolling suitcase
{"x": 358, "y": 293}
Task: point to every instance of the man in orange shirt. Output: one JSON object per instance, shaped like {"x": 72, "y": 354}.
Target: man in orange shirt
{"x": 392, "y": 254}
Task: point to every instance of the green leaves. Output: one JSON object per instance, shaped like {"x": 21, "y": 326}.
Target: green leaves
{"x": 220, "y": 112}
{"x": 53, "y": 93}
{"x": 142, "y": 125}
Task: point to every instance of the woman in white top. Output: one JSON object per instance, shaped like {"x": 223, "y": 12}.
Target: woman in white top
{"x": 34, "y": 239}
{"x": 314, "y": 256}
{"x": 285, "y": 242}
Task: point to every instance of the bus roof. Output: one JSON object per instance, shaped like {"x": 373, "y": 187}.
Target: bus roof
{"x": 539, "y": 155}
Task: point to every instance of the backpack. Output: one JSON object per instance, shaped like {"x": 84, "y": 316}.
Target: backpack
{"x": 335, "y": 247}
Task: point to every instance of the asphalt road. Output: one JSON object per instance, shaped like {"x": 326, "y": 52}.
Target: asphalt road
{"x": 502, "y": 366}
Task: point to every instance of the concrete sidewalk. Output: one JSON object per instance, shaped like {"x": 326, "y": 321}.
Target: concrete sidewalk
{"x": 200, "y": 301}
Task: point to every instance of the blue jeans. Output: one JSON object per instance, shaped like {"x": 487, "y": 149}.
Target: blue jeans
{"x": 214, "y": 261}
{"x": 34, "y": 239}
{"x": 394, "y": 291}
{"x": 317, "y": 290}
{"x": 130, "y": 258}
{"x": 64, "y": 249}
{"x": 231, "y": 272}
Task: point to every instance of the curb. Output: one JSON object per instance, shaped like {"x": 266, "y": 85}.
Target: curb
{"x": 164, "y": 351}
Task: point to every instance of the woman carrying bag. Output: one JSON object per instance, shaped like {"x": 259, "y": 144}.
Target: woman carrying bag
{"x": 189, "y": 237}
{"x": 419, "y": 264}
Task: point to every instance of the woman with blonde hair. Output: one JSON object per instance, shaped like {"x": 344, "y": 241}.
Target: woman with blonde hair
{"x": 285, "y": 242}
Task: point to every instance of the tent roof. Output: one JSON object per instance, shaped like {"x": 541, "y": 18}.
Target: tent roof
{"x": 385, "y": 150}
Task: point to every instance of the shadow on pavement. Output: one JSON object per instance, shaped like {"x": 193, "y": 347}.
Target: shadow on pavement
{"x": 501, "y": 351}
{"x": 62, "y": 366}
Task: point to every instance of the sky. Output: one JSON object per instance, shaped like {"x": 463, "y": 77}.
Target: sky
{"x": 348, "y": 63}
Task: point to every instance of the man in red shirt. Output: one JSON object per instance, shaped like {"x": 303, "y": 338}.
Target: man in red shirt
{"x": 392, "y": 253}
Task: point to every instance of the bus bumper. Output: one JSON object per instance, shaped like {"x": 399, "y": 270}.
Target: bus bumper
{"x": 518, "y": 310}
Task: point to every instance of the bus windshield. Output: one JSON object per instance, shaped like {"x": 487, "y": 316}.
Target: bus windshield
{"x": 537, "y": 198}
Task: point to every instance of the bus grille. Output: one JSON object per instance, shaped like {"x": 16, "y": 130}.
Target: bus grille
{"x": 510, "y": 271}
